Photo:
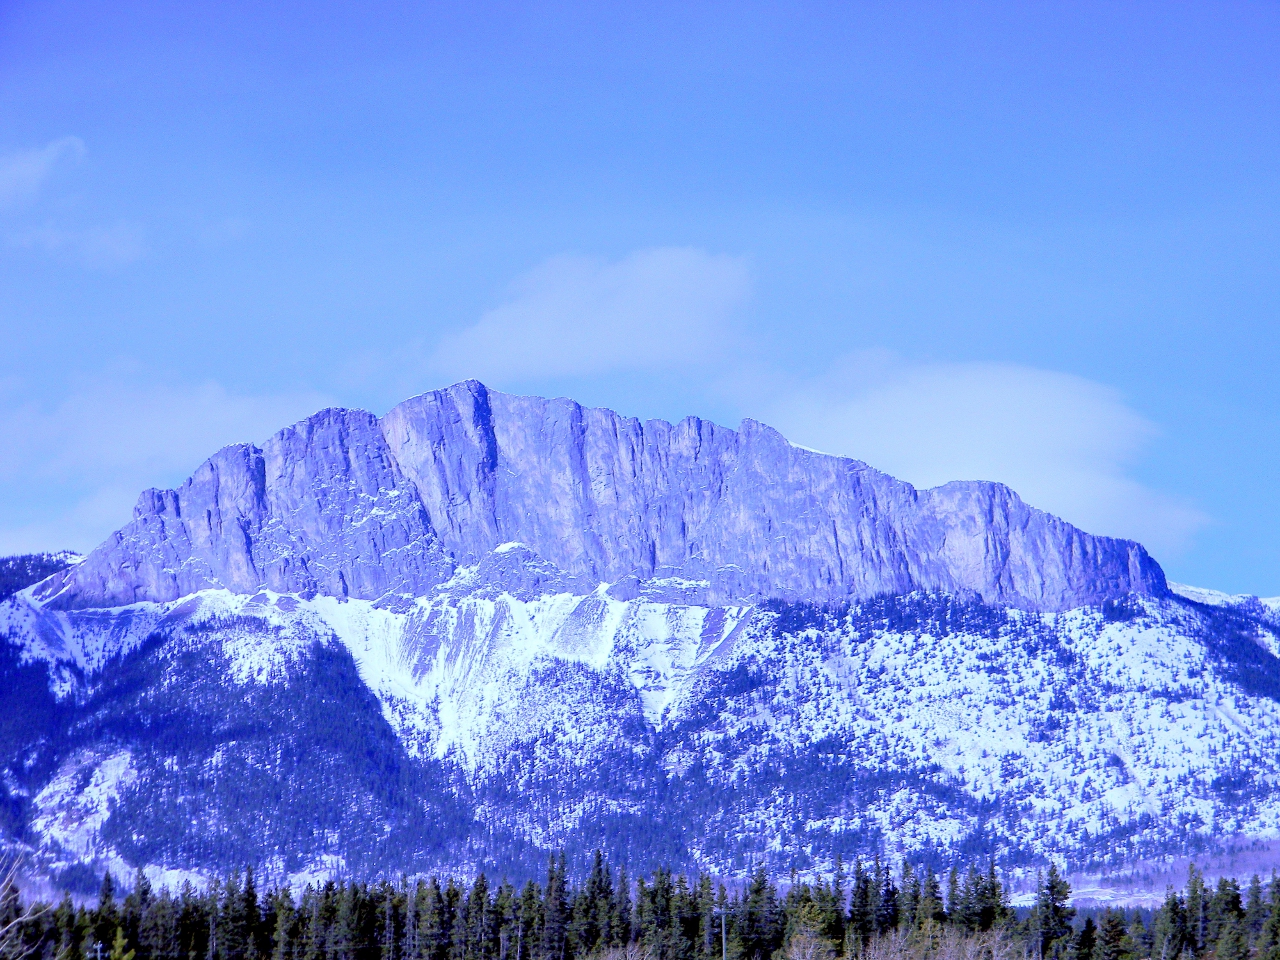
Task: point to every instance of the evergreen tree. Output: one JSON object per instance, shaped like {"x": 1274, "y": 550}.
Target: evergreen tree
{"x": 1052, "y": 916}
{"x": 69, "y": 933}
{"x": 191, "y": 924}
{"x": 554, "y": 913}
{"x": 233, "y": 926}
{"x": 671, "y": 916}
{"x": 212, "y": 914}
{"x": 653, "y": 914}
{"x": 250, "y": 913}
{"x": 1140, "y": 935}
{"x": 621, "y": 922}
{"x": 953, "y": 895}
{"x": 506, "y": 918}
{"x": 1233, "y": 940}
{"x": 283, "y": 926}
{"x": 106, "y": 917}
{"x": 388, "y": 934}
{"x": 344, "y": 937}
{"x": 964, "y": 911}
{"x": 908, "y": 898}
{"x": 135, "y": 904}
{"x": 590, "y": 909}
{"x": 1255, "y": 910}
{"x": 1223, "y": 908}
{"x": 760, "y": 921}
{"x": 530, "y": 921}
{"x": 886, "y": 917}
{"x": 1269, "y": 937}
{"x": 686, "y": 918}
{"x": 158, "y": 930}
{"x": 829, "y": 901}
{"x": 119, "y": 948}
{"x": 802, "y": 911}
{"x": 1197, "y": 920}
{"x": 413, "y": 896}
{"x": 862, "y": 911}
{"x": 708, "y": 929}
{"x": 1114, "y": 942}
{"x": 1086, "y": 942}
{"x": 930, "y": 909}
{"x": 314, "y": 915}
{"x": 841, "y": 900}
{"x": 992, "y": 906}
{"x": 1169, "y": 929}
{"x": 480, "y": 932}
{"x": 930, "y": 916}
{"x": 433, "y": 931}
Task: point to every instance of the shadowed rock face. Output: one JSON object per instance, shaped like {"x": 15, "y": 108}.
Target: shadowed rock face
{"x": 349, "y": 505}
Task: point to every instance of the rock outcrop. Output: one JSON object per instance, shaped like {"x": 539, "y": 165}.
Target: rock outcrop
{"x": 347, "y": 504}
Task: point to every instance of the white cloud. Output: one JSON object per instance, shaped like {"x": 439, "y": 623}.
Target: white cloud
{"x": 101, "y": 247}
{"x": 1064, "y": 443}
{"x": 1067, "y": 444}
{"x": 657, "y": 309}
{"x": 112, "y": 437}
{"x": 23, "y": 172}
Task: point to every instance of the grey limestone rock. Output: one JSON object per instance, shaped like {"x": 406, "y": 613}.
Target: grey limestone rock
{"x": 321, "y": 508}
{"x": 346, "y": 504}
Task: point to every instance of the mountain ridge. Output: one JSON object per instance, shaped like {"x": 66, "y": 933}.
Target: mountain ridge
{"x": 445, "y": 477}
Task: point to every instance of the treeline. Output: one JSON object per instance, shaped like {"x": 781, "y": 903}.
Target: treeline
{"x": 870, "y": 912}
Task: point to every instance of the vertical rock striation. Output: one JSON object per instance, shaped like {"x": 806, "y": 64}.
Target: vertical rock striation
{"x": 349, "y": 505}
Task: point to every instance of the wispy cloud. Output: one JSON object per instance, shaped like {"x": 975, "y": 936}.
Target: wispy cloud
{"x": 655, "y": 310}
{"x": 111, "y": 437}
{"x": 100, "y": 247}
{"x": 1065, "y": 443}
{"x": 23, "y": 172}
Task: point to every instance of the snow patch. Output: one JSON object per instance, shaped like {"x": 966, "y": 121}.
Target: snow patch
{"x": 1212, "y": 598}
{"x": 73, "y": 807}
{"x": 801, "y": 446}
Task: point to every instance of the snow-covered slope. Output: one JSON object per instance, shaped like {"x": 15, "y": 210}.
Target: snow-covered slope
{"x": 515, "y": 720}
{"x": 1264, "y": 609}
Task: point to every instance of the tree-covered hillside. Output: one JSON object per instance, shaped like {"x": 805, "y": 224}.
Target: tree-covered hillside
{"x": 18, "y": 573}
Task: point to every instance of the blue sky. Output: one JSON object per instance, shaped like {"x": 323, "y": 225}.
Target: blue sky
{"x": 1027, "y": 242}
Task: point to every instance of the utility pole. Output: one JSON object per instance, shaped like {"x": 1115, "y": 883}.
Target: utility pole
{"x": 723, "y": 913}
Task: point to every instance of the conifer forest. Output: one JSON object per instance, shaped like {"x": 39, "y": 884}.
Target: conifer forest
{"x": 870, "y": 912}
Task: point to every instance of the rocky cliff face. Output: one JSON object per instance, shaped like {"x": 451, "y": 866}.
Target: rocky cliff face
{"x": 347, "y": 505}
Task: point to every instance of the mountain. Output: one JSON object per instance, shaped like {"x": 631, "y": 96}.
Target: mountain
{"x": 486, "y": 626}
{"x": 19, "y": 572}
{"x": 347, "y": 505}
